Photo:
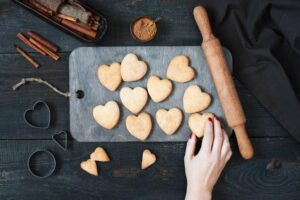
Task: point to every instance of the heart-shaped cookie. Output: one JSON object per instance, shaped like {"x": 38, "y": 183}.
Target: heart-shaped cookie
{"x": 89, "y": 166}
{"x": 197, "y": 123}
{"x": 108, "y": 115}
{"x": 194, "y": 100}
{"x": 159, "y": 89}
{"x": 134, "y": 99}
{"x": 148, "y": 159}
{"x": 110, "y": 76}
{"x": 99, "y": 155}
{"x": 169, "y": 121}
{"x": 179, "y": 69}
{"x": 132, "y": 69}
{"x": 139, "y": 126}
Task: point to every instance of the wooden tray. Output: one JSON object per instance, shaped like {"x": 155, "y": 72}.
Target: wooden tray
{"x": 83, "y": 66}
{"x": 100, "y": 33}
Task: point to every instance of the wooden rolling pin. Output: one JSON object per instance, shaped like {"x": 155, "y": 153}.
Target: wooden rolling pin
{"x": 223, "y": 81}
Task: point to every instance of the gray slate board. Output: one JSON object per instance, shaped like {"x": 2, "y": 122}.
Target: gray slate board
{"x": 83, "y": 66}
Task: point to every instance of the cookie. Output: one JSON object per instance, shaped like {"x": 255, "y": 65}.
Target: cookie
{"x": 197, "y": 123}
{"x": 159, "y": 89}
{"x": 100, "y": 155}
{"x": 132, "y": 69}
{"x": 169, "y": 121}
{"x": 108, "y": 115}
{"x": 89, "y": 166}
{"x": 179, "y": 69}
{"x": 139, "y": 126}
{"x": 194, "y": 100}
{"x": 148, "y": 159}
{"x": 134, "y": 99}
{"x": 110, "y": 76}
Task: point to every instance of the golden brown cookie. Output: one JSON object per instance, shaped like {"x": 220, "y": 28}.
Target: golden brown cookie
{"x": 139, "y": 126}
{"x": 159, "y": 89}
{"x": 197, "y": 123}
{"x": 89, "y": 166}
{"x": 194, "y": 100}
{"x": 169, "y": 120}
{"x": 108, "y": 115}
{"x": 100, "y": 155}
{"x": 134, "y": 99}
{"x": 148, "y": 159}
{"x": 179, "y": 69}
{"x": 110, "y": 76}
{"x": 132, "y": 69}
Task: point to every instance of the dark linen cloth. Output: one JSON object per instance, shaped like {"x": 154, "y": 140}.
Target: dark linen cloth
{"x": 264, "y": 39}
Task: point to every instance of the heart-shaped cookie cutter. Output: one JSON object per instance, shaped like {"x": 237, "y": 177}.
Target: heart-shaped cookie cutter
{"x": 30, "y": 123}
{"x": 63, "y": 146}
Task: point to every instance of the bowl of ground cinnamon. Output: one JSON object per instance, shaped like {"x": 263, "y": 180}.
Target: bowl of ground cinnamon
{"x": 143, "y": 29}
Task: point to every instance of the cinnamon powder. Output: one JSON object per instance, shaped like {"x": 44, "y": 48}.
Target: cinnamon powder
{"x": 144, "y": 29}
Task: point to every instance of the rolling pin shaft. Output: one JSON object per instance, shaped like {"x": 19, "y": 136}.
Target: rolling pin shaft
{"x": 223, "y": 82}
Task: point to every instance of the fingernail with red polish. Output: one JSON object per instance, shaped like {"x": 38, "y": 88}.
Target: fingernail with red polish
{"x": 217, "y": 118}
{"x": 191, "y": 134}
{"x": 210, "y": 119}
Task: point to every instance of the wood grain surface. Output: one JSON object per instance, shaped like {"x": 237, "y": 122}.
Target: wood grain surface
{"x": 122, "y": 179}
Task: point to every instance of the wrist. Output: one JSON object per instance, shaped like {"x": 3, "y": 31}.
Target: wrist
{"x": 193, "y": 193}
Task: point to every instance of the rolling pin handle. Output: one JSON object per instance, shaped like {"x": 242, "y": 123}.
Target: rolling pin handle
{"x": 202, "y": 21}
{"x": 243, "y": 141}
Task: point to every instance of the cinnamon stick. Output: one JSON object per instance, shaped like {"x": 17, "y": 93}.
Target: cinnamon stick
{"x": 43, "y": 41}
{"x": 28, "y": 43}
{"x": 47, "y": 51}
{"x": 40, "y": 7}
{"x": 27, "y": 57}
{"x": 81, "y": 29}
{"x": 86, "y": 26}
{"x": 62, "y": 16}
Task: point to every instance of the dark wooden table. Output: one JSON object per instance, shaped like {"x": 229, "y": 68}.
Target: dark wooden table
{"x": 122, "y": 178}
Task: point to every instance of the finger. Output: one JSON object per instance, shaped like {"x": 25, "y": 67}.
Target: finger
{"x": 190, "y": 147}
{"x": 218, "y": 137}
{"x": 228, "y": 155}
{"x": 208, "y": 137}
{"x": 226, "y": 145}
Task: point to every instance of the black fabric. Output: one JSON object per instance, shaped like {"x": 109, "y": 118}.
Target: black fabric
{"x": 264, "y": 39}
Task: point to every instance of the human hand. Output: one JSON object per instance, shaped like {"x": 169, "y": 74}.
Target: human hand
{"x": 203, "y": 169}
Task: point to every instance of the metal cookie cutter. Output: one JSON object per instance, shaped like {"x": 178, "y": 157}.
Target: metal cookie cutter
{"x": 30, "y": 110}
{"x": 64, "y": 144}
{"x": 52, "y": 162}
